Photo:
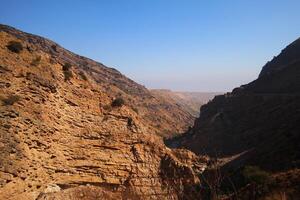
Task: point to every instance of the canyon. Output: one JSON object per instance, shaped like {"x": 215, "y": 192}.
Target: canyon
{"x": 188, "y": 101}
{"x": 72, "y": 128}
{"x": 259, "y": 122}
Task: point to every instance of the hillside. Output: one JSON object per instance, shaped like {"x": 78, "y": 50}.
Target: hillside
{"x": 72, "y": 128}
{"x": 188, "y": 101}
{"x": 263, "y": 112}
{"x": 164, "y": 118}
{"x": 256, "y": 124}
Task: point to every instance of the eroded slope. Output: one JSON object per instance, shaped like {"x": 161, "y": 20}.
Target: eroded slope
{"x": 163, "y": 118}
{"x": 61, "y": 138}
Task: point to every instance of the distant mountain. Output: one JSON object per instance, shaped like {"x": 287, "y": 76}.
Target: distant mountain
{"x": 188, "y": 101}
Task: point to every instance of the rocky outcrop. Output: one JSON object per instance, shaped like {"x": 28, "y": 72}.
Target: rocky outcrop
{"x": 61, "y": 138}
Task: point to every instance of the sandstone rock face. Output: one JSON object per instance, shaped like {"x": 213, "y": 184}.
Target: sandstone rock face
{"x": 162, "y": 118}
{"x": 61, "y": 139}
{"x": 260, "y": 119}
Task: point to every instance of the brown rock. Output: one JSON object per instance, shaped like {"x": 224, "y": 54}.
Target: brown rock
{"x": 67, "y": 146}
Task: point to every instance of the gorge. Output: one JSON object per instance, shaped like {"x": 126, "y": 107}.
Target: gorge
{"x": 72, "y": 128}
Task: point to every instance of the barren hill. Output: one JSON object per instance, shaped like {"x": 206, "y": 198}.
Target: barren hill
{"x": 72, "y": 128}
{"x": 163, "y": 118}
{"x": 189, "y": 101}
{"x": 259, "y": 121}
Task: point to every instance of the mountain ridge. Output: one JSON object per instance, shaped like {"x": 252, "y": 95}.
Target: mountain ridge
{"x": 252, "y": 106}
{"x": 73, "y": 129}
{"x": 105, "y": 75}
{"x": 288, "y": 54}
{"x": 256, "y": 126}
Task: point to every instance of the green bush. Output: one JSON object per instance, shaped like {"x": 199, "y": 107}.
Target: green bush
{"x": 67, "y": 67}
{"x": 118, "y": 102}
{"x": 11, "y": 99}
{"x": 255, "y": 175}
{"x": 68, "y": 75}
{"x": 54, "y": 47}
{"x": 130, "y": 121}
{"x": 83, "y": 76}
{"x": 15, "y": 46}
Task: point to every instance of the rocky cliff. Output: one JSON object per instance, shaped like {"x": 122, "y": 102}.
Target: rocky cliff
{"x": 260, "y": 119}
{"x": 72, "y": 128}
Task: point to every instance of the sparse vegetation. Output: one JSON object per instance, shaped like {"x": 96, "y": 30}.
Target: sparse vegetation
{"x": 256, "y": 175}
{"x": 212, "y": 181}
{"x": 10, "y": 100}
{"x": 118, "y": 102}
{"x": 36, "y": 61}
{"x": 83, "y": 76}
{"x": 67, "y": 72}
{"x": 54, "y": 47}
{"x": 15, "y": 46}
{"x": 67, "y": 67}
{"x": 68, "y": 75}
{"x": 130, "y": 121}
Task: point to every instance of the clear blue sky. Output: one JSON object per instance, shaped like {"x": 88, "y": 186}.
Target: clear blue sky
{"x": 189, "y": 45}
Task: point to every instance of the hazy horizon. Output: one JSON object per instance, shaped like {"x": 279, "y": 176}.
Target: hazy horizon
{"x": 193, "y": 46}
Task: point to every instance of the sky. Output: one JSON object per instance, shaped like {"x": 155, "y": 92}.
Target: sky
{"x": 183, "y": 45}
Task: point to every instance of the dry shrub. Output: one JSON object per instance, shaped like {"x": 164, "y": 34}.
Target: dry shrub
{"x": 118, "y": 102}
{"x": 15, "y": 46}
{"x": 11, "y": 100}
